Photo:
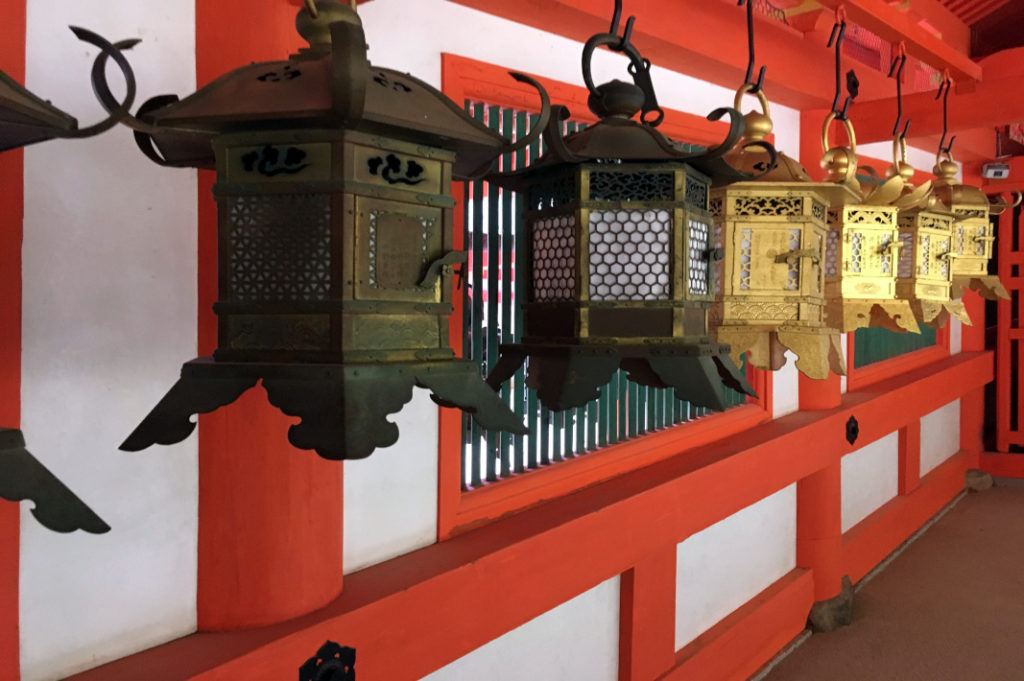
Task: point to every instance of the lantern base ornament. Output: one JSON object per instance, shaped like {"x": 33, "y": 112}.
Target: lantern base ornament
{"x": 988, "y": 286}
{"x": 818, "y": 349}
{"x": 850, "y": 315}
{"x": 567, "y": 376}
{"x": 343, "y": 407}
{"x": 936, "y": 313}
{"x": 22, "y": 477}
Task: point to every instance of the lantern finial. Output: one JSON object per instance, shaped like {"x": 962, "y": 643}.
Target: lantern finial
{"x": 313, "y": 22}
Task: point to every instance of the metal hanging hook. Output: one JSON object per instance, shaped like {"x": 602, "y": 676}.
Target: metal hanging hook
{"x": 755, "y": 86}
{"x": 852, "y": 83}
{"x": 944, "y": 87}
{"x": 899, "y": 62}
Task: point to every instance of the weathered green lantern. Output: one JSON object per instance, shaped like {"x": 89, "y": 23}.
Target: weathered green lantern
{"x": 619, "y": 252}
{"x": 335, "y": 240}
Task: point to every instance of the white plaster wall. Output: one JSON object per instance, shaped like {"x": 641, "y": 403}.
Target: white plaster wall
{"x": 922, "y": 160}
{"x": 109, "y": 316}
{"x": 577, "y": 641}
{"x": 391, "y": 497}
{"x": 871, "y": 477}
{"x": 786, "y": 388}
{"x": 723, "y": 566}
{"x": 940, "y": 436}
{"x": 956, "y": 336}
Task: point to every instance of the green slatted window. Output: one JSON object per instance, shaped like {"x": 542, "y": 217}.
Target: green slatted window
{"x": 491, "y": 315}
{"x": 877, "y": 344}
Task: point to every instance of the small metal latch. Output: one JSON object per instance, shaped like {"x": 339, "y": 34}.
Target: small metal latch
{"x": 891, "y": 248}
{"x": 714, "y": 254}
{"x": 812, "y": 253}
{"x": 443, "y": 265}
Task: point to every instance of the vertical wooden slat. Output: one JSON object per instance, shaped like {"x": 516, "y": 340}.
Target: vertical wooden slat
{"x": 518, "y": 297}
{"x": 472, "y": 329}
{"x": 492, "y": 318}
{"x": 504, "y": 289}
{"x": 537, "y": 449}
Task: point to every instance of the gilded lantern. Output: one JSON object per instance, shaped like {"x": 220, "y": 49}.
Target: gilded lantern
{"x": 335, "y": 240}
{"x": 863, "y": 246}
{"x": 620, "y": 253}
{"x": 973, "y": 233}
{"x": 771, "y": 285}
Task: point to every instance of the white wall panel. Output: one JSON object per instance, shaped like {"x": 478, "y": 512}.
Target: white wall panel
{"x": 940, "y": 436}
{"x": 391, "y": 497}
{"x": 956, "y": 336}
{"x": 871, "y": 477}
{"x": 577, "y": 641}
{"x": 109, "y": 316}
{"x": 723, "y": 566}
{"x": 786, "y": 388}
{"x": 923, "y": 160}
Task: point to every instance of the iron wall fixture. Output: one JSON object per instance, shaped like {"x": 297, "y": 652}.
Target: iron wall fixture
{"x": 23, "y": 477}
{"x": 27, "y": 119}
{"x": 332, "y": 662}
{"x": 619, "y": 250}
{"x": 335, "y": 239}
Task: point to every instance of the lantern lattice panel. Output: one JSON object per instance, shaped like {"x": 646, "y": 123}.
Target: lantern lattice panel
{"x": 644, "y": 186}
{"x": 698, "y": 265}
{"x": 630, "y": 255}
{"x": 280, "y": 248}
{"x": 554, "y": 248}
{"x": 377, "y": 257}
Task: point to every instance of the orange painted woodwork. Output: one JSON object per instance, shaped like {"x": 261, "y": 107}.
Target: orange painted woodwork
{"x": 819, "y": 530}
{"x": 825, "y": 393}
{"x": 888, "y": 22}
{"x": 858, "y": 378}
{"x": 270, "y": 515}
{"x": 647, "y": 617}
{"x": 467, "y": 79}
{"x": 972, "y": 427}
{"x": 909, "y": 458}
{"x": 800, "y": 71}
{"x": 735, "y": 648}
{"x": 12, "y": 208}
{"x": 413, "y": 614}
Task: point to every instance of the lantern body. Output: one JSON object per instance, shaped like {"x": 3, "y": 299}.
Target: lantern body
{"x": 861, "y": 255}
{"x": 618, "y": 251}
{"x": 924, "y": 272}
{"x": 771, "y": 284}
{"x": 327, "y": 244}
{"x": 972, "y": 241}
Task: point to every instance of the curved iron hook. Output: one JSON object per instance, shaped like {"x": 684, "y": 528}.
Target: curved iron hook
{"x": 106, "y": 98}
{"x": 542, "y": 122}
{"x": 759, "y": 83}
{"x": 852, "y": 84}
{"x": 944, "y": 88}
{"x": 117, "y": 111}
{"x": 737, "y": 126}
{"x": 899, "y": 62}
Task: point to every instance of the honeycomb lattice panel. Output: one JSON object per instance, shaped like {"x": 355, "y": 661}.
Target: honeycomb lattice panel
{"x": 832, "y": 254}
{"x": 554, "y": 248}
{"x": 793, "y": 275}
{"x": 906, "y": 262}
{"x": 279, "y": 248}
{"x": 630, "y": 255}
{"x": 746, "y": 257}
{"x": 699, "y": 243}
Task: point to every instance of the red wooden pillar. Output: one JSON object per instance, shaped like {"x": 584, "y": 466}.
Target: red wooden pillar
{"x": 819, "y": 529}
{"x": 12, "y": 61}
{"x": 270, "y": 516}
{"x": 910, "y": 458}
{"x": 647, "y": 623}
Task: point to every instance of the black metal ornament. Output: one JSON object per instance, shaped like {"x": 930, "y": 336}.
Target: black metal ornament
{"x": 23, "y": 477}
{"x": 852, "y": 430}
{"x": 333, "y": 662}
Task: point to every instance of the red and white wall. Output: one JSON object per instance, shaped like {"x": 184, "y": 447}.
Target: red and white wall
{"x": 703, "y": 563}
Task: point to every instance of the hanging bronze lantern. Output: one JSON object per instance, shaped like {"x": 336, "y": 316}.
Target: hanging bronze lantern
{"x": 863, "y": 245}
{"x": 771, "y": 284}
{"x": 973, "y": 233}
{"x": 620, "y": 252}
{"x": 335, "y": 228}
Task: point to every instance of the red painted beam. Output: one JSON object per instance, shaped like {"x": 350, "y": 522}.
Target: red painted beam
{"x": 888, "y": 22}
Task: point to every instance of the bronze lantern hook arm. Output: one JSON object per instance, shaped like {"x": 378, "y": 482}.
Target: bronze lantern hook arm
{"x": 117, "y": 111}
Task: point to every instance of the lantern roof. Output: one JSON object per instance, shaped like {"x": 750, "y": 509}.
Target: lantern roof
{"x": 329, "y": 84}
{"x": 25, "y": 118}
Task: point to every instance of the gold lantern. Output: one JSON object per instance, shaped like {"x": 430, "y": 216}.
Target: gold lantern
{"x": 973, "y": 233}
{"x": 863, "y": 245}
{"x": 620, "y": 249}
{"x": 335, "y": 239}
{"x": 771, "y": 285}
